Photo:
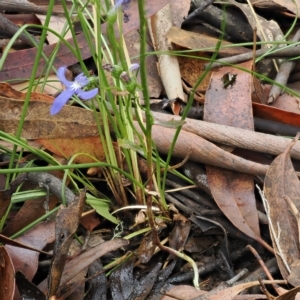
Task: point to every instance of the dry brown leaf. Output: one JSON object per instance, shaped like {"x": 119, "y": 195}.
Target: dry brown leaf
{"x": 84, "y": 259}
{"x": 89, "y": 147}
{"x": 182, "y": 292}
{"x": 192, "y": 68}
{"x": 193, "y": 41}
{"x": 7, "y": 275}
{"x": 228, "y": 102}
{"x": 180, "y": 232}
{"x": 71, "y": 122}
{"x": 230, "y": 292}
{"x": 67, "y": 221}
{"x": 146, "y": 248}
{"x": 38, "y": 237}
{"x": 7, "y": 91}
{"x": 281, "y": 181}
{"x": 47, "y": 129}
{"x": 278, "y": 5}
{"x": 293, "y": 294}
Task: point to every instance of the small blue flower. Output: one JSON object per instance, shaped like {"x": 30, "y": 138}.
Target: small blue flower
{"x": 134, "y": 67}
{"x": 72, "y": 87}
{"x": 112, "y": 13}
{"x": 118, "y": 4}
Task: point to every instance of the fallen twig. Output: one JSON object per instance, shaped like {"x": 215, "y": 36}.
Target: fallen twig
{"x": 235, "y": 137}
{"x": 283, "y": 74}
{"x": 291, "y": 51}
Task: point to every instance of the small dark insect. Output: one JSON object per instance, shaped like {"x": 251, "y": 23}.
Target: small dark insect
{"x": 228, "y": 80}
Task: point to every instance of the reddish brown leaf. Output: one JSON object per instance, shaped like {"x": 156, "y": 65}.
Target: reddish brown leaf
{"x": 22, "y": 19}
{"x": 191, "y": 68}
{"x": 228, "y": 98}
{"x": 275, "y": 114}
{"x": 228, "y": 102}
{"x": 8, "y": 92}
{"x": 285, "y": 102}
{"x": 89, "y": 220}
{"x": 89, "y": 146}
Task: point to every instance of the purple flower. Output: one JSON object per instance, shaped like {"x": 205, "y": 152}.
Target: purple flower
{"x": 112, "y": 13}
{"x": 72, "y": 87}
{"x": 118, "y": 4}
{"x": 134, "y": 67}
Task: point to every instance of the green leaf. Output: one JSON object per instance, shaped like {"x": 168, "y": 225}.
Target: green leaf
{"x": 102, "y": 208}
{"x": 124, "y": 143}
{"x": 170, "y": 124}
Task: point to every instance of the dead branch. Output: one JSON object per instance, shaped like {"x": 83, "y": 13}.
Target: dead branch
{"x": 235, "y": 137}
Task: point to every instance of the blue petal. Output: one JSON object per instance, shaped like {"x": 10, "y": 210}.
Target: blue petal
{"x": 82, "y": 80}
{"x": 118, "y": 4}
{"x": 86, "y": 95}
{"x": 134, "y": 67}
{"x": 60, "y": 101}
{"x": 61, "y": 74}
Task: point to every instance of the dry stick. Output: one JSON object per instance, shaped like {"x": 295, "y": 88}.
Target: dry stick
{"x": 10, "y": 29}
{"x": 202, "y": 5}
{"x": 27, "y": 7}
{"x": 201, "y": 151}
{"x": 235, "y": 137}
{"x": 262, "y": 264}
{"x": 292, "y": 51}
{"x": 282, "y": 75}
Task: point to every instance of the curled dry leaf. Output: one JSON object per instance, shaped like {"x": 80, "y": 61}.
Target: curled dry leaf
{"x": 67, "y": 221}
{"x": 159, "y": 25}
{"x": 7, "y": 275}
{"x": 281, "y": 181}
{"x": 180, "y": 232}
